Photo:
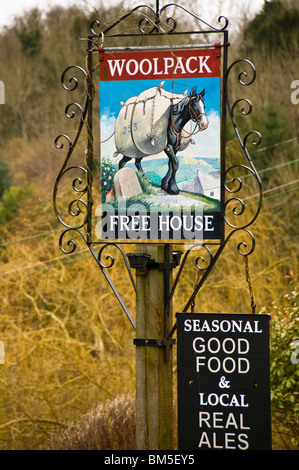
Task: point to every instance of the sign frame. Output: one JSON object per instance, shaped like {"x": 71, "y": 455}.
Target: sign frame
{"x": 76, "y": 191}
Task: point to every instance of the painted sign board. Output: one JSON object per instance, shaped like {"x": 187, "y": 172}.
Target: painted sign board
{"x": 160, "y": 144}
{"x": 223, "y": 382}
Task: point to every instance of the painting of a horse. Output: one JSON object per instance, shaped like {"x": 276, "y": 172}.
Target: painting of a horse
{"x": 179, "y": 114}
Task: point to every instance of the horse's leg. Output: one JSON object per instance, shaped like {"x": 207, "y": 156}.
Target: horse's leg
{"x": 123, "y": 161}
{"x": 138, "y": 165}
{"x": 172, "y": 186}
{"x": 165, "y": 180}
{"x": 169, "y": 183}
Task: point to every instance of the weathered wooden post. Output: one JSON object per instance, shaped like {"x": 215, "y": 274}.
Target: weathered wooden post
{"x": 154, "y": 382}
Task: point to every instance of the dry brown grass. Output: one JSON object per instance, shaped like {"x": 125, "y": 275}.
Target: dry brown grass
{"x": 69, "y": 346}
{"x": 109, "y": 426}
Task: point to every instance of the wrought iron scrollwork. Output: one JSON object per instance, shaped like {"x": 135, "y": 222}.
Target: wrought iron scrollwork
{"x": 77, "y": 206}
{"x": 108, "y": 264}
{"x": 112, "y": 260}
{"x": 72, "y": 79}
{"x": 157, "y": 22}
{"x": 197, "y": 18}
{"x": 239, "y": 209}
{"x": 200, "y": 264}
{"x": 150, "y": 21}
{"x": 70, "y": 245}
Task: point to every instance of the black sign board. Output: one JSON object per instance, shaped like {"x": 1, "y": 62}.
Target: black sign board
{"x": 223, "y": 382}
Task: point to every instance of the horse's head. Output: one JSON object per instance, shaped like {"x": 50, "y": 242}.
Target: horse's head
{"x": 197, "y": 109}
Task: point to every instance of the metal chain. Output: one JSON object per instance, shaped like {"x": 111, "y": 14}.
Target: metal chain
{"x": 253, "y": 305}
{"x": 152, "y": 135}
{"x": 199, "y": 276}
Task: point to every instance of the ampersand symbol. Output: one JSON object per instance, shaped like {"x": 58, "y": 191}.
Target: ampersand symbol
{"x": 224, "y": 383}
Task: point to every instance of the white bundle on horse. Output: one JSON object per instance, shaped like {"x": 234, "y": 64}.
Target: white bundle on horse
{"x": 142, "y": 123}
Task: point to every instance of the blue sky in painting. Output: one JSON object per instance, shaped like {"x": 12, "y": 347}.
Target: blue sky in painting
{"x": 112, "y": 92}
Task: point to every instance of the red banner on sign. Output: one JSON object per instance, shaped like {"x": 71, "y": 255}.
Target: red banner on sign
{"x": 159, "y": 64}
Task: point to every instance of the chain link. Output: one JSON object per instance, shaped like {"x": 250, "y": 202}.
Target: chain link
{"x": 253, "y": 305}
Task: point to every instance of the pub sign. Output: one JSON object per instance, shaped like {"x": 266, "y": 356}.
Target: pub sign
{"x": 223, "y": 382}
{"x": 160, "y": 144}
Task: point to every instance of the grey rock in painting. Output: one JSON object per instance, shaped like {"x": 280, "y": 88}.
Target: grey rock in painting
{"x": 126, "y": 183}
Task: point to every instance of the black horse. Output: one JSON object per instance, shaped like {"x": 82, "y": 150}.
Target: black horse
{"x": 192, "y": 107}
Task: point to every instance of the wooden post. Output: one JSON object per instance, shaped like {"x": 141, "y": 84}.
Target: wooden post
{"x": 154, "y": 377}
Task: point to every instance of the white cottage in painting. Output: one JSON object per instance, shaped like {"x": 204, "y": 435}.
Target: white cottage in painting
{"x": 206, "y": 183}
